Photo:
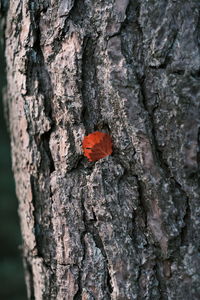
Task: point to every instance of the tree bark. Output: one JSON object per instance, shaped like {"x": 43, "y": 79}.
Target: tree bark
{"x": 126, "y": 226}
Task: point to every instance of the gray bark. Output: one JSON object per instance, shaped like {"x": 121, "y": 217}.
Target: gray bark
{"x": 126, "y": 226}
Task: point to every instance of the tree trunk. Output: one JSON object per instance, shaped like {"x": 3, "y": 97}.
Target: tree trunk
{"x": 126, "y": 226}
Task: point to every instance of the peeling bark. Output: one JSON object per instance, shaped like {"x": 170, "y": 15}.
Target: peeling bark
{"x": 126, "y": 226}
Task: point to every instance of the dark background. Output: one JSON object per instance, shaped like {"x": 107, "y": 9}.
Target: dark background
{"x": 11, "y": 269}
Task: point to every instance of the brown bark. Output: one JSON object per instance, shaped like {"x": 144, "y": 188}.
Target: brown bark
{"x": 126, "y": 226}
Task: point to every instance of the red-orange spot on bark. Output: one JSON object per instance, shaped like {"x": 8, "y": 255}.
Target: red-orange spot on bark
{"x": 97, "y": 145}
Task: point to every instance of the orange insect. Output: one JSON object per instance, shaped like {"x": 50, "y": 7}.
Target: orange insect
{"x": 97, "y": 145}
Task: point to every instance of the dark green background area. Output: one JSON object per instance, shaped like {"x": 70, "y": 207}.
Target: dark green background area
{"x": 12, "y": 286}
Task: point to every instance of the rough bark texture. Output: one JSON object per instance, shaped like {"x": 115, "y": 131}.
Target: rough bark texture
{"x": 127, "y": 226}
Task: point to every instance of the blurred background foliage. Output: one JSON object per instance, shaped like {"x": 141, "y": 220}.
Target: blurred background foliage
{"x": 11, "y": 269}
